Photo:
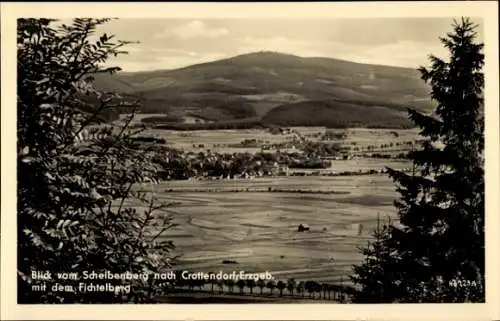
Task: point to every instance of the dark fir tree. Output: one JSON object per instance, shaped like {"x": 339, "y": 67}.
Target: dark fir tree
{"x": 438, "y": 245}
{"x": 377, "y": 270}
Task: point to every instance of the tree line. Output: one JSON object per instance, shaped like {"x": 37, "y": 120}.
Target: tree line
{"x": 298, "y": 289}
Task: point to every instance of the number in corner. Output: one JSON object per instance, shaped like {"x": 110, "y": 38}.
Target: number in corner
{"x": 460, "y": 283}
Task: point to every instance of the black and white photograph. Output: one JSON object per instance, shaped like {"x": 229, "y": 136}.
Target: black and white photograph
{"x": 197, "y": 160}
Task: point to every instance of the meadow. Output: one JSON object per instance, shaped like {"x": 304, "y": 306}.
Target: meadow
{"x": 258, "y": 230}
{"x": 220, "y": 140}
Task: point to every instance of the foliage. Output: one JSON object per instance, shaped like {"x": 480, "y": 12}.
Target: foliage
{"x": 336, "y": 114}
{"x": 322, "y": 149}
{"x": 281, "y": 286}
{"x": 377, "y": 273}
{"x": 271, "y": 285}
{"x": 437, "y": 250}
{"x": 162, "y": 119}
{"x": 333, "y": 135}
{"x": 291, "y": 285}
{"x": 75, "y": 176}
{"x": 241, "y": 284}
{"x": 251, "y": 284}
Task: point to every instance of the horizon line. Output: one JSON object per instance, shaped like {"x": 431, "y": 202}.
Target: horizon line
{"x": 262, "y": 52}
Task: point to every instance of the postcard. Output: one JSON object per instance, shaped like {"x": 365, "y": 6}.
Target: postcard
{"x": 236, "y": 161}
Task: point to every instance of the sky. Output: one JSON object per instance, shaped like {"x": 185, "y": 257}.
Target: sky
{"x": 175, "y": 43}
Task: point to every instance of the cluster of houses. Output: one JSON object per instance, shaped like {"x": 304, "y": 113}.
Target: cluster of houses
{"x": 180, "y": 165}
{"x": 273, "y": 170}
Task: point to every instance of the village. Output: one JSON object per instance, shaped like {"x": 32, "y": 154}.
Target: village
{"x": 296, "y": 157}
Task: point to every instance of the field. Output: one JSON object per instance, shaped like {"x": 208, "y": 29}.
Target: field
{"x": 258, "y": 230}
{"x": 218, "y": 140}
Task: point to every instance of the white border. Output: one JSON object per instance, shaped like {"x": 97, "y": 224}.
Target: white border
{"x": 10, "y": 310}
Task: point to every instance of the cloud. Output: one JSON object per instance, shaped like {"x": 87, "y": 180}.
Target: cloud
{"x": 179, "y": 52}
{"x": 159, "y": 59}
{"x": 194, "y": 29}
{"x": 156, "y": 55}
{"x": 132, "y": 49}
{"x": 403, "y": 53}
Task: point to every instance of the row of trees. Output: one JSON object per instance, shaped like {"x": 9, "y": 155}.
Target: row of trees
{"x": 290, "y": 287}
{"x": 384, "y": 146}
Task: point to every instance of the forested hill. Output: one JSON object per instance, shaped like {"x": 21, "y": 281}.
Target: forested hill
{"x": 275, "y": 88}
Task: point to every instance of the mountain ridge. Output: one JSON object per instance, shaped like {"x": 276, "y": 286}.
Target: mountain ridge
{"x": 254, "y": 84}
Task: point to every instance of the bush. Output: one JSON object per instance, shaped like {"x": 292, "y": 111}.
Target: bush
{"x": 74, "y": 178}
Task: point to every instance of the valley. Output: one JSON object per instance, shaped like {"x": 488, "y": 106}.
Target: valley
{"x": 257, "y": 145}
